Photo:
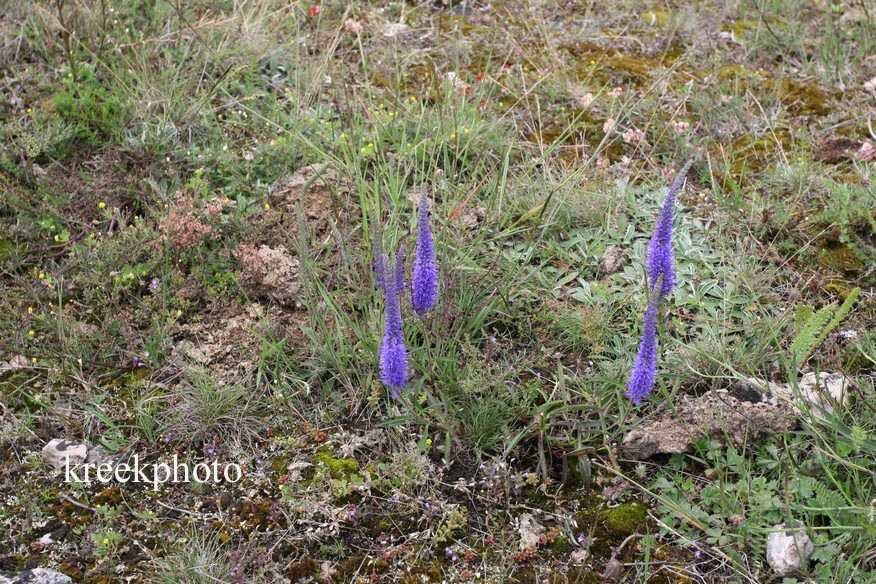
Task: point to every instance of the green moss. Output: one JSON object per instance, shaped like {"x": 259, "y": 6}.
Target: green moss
{"x": 628, "y": 68}
{"x": 338, "y": 468}
{"x": 304, "y": 568}
{"x": 280, "y": 464}
{"x": 802, "y": 99}
{"x": 656, "y": 17}
{"x": 422, "y": 573}
{"x": 360, "y": 564}
{"x": 840, "y": 258}
{"x": 624, "y": 519}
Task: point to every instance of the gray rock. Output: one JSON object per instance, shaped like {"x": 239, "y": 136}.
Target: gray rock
{"x": 99, "y": 455}
{"x": 747, "y": 391}
{"x": 825, "y": 389}
{"x": 58, "y": 451}
{"x": 35, "y": 576}
{"x": 816, "y": 394}
{"x": 612, "y": 261}
{"x": 715, "y": 415}
{"x": 788, "y": 551}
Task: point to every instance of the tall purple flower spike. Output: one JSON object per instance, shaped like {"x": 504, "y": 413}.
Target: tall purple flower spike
{"x": 661, "y": 279}
{"x": 399, "y": 273}
{"x": 660, "y": 260}
{"x": 645, "y": 370}
{"x": 379, "y": 259}
{"x": 393, "y": 353}
{"x": 424, "y": 282}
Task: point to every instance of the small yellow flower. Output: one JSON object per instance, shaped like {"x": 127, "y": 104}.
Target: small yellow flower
{"x": 105, "y": 540}
{"x": 101, "y": 205}
{"x": 179, "y": 312}
{"x": 57, "y": 238}
{"x": 363, "y": 150}
{"x": 42, "y": 276}
{"x": 30, "y": 334}
{"x": 371, "y": 144}
{"x": 343, "y": 135}
{"x": 452, "y": 136}
{"x": 465, "y": 130}
{"x": 33, "y": 359}
{"x": 281, "y": 487}
{"x": 267, "y": 207}
{"x": 413, "y": 98}
{"x": 91, "y": 235}
{"x": 410, "y": 145}
{"x": 30, "y": 309}
{"x": 273, "y": 143}
{"x": 29, "y": 110}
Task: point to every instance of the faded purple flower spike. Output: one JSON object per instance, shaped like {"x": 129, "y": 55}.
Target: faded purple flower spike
{"x": 660, "y": 260}
{"x": 379, "y": 259}
{"x": 645, "y": 370}
{"x": 399, "y": 272}
{"x": 424, "y": 283}
{"x": 393, "y": 353}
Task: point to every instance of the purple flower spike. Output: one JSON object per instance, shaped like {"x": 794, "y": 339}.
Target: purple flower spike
{"x": 424, "y": 283}
{"x": 400, "y": 270}
{"x": 645, "y": 370}
{"x": 379, "y": 260}
{"x": 393, "y": 353}
{"x": 660, "y": 260}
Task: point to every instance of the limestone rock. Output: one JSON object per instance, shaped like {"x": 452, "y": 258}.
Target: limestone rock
{"x": 818, "y": 388}
{"x": 271, "y": 273}
{"x": 714, "y": 415}
{"x": 530, "y": 532}
{"x": 612, "y": 261}
{"x": 35, "y": 576}
{"x": 788, "y": 551}
{"x": 16, "y": 362}
{"x": 57, "y": 452}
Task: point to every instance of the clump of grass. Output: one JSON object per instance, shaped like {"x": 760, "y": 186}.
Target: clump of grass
{"x": 208, "y": 408}
{"x": 579, "y": 329}
{"x": 198, "y": 558}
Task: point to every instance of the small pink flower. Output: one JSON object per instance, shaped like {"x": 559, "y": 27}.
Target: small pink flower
{"x": 866, "y": 151}
{"x": 353, "y": 27}
{"x": 585, "y": 100}
{"x": 633, "y": 136}
{"x": 616, "y": 92}
{"x": 681, "y": 127}
{"x": 608, "y": 125}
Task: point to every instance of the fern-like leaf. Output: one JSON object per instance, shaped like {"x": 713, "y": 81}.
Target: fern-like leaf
{"x": 805, "y": 340}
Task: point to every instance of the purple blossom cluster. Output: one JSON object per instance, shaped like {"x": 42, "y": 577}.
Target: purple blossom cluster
{"x": 393, "y": 353}
{"x": 424, "y": 293}
{"x": 660, "y": 268}
{"x": 424, "y": 283}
